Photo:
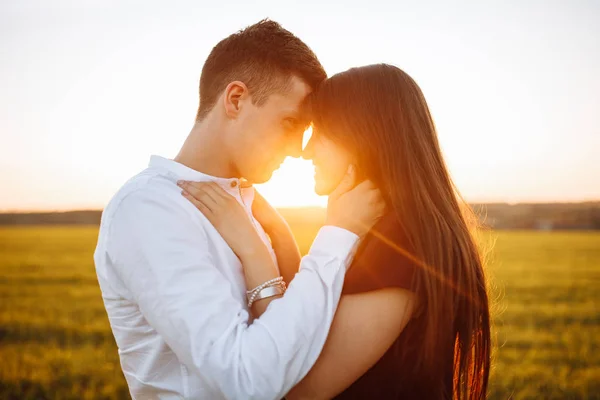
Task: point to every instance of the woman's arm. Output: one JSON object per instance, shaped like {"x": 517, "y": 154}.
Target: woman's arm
{"x": 259, "y": 268}
{"x": 364, "y": 327}
{"x": 230, "y": 219}
{"x": 355, "y": 209}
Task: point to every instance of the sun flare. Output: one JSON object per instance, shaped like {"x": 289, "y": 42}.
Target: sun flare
{"x": 293, "y": 184}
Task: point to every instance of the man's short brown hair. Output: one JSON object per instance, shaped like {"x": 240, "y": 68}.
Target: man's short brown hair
{"x": 264, "y": 56}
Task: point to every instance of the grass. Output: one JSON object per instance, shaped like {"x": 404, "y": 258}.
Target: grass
{"x": 55, "y": 341}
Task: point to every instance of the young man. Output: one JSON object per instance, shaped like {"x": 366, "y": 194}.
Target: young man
{"x": 173, "y": 290}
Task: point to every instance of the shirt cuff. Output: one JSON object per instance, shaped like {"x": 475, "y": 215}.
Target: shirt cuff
{"x": 336, "y": 242}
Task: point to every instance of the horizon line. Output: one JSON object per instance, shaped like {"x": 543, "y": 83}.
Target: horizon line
{"x": 512, "y": 203}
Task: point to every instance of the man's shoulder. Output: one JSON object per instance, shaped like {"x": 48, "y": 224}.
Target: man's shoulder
{"x": 149, "y": 188}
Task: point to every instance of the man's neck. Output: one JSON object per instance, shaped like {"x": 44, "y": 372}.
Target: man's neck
{"x": 199, "y": 152}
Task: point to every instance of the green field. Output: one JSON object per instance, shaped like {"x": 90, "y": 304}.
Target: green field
{"x": 55, "y": 340}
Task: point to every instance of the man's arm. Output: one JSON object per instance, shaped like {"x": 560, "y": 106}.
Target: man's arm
{"x": 162, "y": 256}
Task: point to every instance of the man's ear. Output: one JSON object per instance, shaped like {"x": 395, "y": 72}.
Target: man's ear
{"x": 235, "y": 94}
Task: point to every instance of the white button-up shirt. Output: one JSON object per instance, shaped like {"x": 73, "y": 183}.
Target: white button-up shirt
{"x": 175, "y": 296}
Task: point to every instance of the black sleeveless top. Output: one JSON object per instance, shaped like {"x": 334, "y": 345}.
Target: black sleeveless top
{"x": 381, "y": 262}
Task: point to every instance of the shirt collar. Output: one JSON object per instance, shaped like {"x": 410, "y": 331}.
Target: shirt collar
{"x": 178, "y": 171}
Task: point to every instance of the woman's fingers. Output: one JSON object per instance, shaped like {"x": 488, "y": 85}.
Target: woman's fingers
{"x": 210, "y": 194}
{"x": 199, "y": 205}
{"x": 216, "y": 191}
{"x": 198, "y": 191}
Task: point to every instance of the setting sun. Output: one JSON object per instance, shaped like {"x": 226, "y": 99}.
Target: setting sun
{"x": 79, "y": 121}
{"x": 293, "y": 185}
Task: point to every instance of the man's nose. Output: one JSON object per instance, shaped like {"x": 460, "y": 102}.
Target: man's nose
{"x": 308, "y": 151}
{"x": 295, "y": 150}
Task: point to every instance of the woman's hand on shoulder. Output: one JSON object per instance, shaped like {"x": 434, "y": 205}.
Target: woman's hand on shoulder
{"x": 226, "y": 214}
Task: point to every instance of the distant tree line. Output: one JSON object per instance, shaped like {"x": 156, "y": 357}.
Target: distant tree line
{"x": 91, "y": 217}
{"x": 547, "y": 216}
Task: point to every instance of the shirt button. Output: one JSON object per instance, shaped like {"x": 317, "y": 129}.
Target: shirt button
{"x": 233, "y": 184}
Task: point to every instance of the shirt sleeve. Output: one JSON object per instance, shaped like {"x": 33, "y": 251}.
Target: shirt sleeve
{"x": 383, "y": 260}
{"x": 162, "y": 256}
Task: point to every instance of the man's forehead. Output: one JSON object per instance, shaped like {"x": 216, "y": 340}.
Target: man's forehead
{"x": 291, "y": 102}
{"x": 289, "y": 106}
{"x": 297, "y": 91}
{"x": 300, "y": 84}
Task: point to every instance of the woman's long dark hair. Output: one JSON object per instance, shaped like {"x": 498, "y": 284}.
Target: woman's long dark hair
{"x": 379, "y": 114}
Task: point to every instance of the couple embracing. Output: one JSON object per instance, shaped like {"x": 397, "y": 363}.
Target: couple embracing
{"x": 203, "y": 283}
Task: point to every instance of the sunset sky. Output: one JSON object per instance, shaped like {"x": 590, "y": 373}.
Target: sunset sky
{"x": 90, "y": 89}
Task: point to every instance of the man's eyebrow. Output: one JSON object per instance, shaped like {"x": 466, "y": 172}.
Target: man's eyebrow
{"x": 302, "y": 119}
{"x": 299, "y": 118}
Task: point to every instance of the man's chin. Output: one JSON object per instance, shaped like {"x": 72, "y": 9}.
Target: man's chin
{"x": 260, "y": 178}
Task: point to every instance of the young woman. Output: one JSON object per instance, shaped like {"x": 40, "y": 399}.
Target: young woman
{"x": 413, "y": 320}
